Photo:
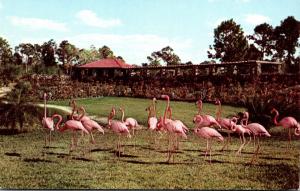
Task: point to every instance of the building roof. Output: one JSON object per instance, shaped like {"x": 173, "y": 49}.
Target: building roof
{"x": 107, "y": 63}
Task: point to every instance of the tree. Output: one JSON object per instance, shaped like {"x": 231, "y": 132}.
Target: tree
{"x": 67, "y": 54}
{"x": 26, "y": 53}
{"x": 230, "y": 44}
{"x": 48, "y": 53}
{"x": 5, "y": 52}
{"x": 263, "y": 38}
{"x": 88, "y": 55}
{"x": 166, "y": 54}
{"x": 253, "y": 53}
{"x": 17, "y": 108}
{"x": 286, "y": 41}
{"x": 106, "y": 52}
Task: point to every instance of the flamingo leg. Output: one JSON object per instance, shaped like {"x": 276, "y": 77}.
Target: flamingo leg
{"x": 206, "y": 148}
{"x": 226, "y": 142}
{"x": 289, "y": 146}
{"x": 242, "y": 145}
{"x": 210, "y": 152}
{"x": 50, "y": 138}
{"x": 256, "y": 152}
{"x": 92, "y": 138}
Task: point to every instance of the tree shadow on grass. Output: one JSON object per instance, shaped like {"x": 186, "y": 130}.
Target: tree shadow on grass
{"x": 13, "y": 154}
{"x": 10, "y": 132}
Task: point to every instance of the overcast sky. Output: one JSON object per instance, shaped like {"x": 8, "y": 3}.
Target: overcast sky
{"x": 134, "y": 29}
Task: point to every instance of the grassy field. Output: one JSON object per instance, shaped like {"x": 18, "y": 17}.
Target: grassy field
{"x": 26, "y": 163}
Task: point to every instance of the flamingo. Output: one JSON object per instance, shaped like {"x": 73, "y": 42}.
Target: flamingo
{"x": 73, "y": 125}
{"x": 130, "y": 122}
{"x": 257, "y": 131}
{"x": 202, "y": 120}
{"x": 152, "y": 119}
{"x": 47, "y": 123}
{"x": 117, "y": 127}
{"x": 227, "y": 124}
{"x": 172, "y": 127}
{"x": 76, "y": 117}
{"x": 288, "y": 123}
{"x": 239, "y": 129}
{"x": 208, "y": 133}
{"x": 90, "y": 125}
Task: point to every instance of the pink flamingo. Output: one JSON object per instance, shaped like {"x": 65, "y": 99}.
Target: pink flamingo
{"x": 257, "y": 131}
{"x": 228, "y": 124}
{"x": 172, "y": 127}
{"x": 131, "y": 124}
{"x": 152, "y": 119}
{"x": 288, "y": 123}
{"x": 179, "y": 124}
{"x": 47, "y": 123}
{"x": 208, "y": 133}
{"x": 117, "y": 127}
{"x": 90, "y": 125}
{"x": 239, "y": 129}
{"x": 76, "y": 117}
{"x": 73, "y": 125}
{"x": 204, "y": 120}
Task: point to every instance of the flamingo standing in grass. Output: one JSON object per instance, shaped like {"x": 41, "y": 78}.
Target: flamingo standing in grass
{"x": 73, "y": 125}
{"x": 208, "y": 133}
{"x": 239, "y": 129}
{"x": 152, "y": 119}
{"x": 204, "y": 120}
{"x": 47, "y": 122}
{"x": 90, "y": 125}
{"x": 288, "y": 123}
{"x": 227, "y": 124}
{"x": 131, "y": 123}
{"x": 257, "y": 130}
{"x": 117, "y": 127}
{"x": 172, "y": 127}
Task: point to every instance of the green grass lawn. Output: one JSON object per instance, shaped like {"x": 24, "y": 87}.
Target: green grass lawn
{"x": 26, "y": 163}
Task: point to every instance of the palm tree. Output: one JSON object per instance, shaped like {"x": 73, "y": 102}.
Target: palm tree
{"x": 17, "y": 108}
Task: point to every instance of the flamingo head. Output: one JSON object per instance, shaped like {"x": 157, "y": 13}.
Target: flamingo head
{"x": 297, "y": 130}
{"x": 154, "y": 100}
{"x": 121, "y": 109}
{"x": 217, "y": 102}
{"x": 147, "y": 109}
{"x": 165, "y": 97}
{"x": 198, "y": 102}
{"x": 160, "y": 123}
{"x": 45, "y": 95}
{"x": 274, "y": 110}
{"x": 246, "y": 114}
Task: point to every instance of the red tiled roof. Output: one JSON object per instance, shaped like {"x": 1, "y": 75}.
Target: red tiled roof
{"x": 107, "y": 63}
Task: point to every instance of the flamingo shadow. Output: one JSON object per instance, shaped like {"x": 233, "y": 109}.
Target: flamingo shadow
{"x": 120, "y": 154}
{"x": 37, "y": 160}
{"x": 13, "y": 154}
{"x": 83, "y": 159}
{"x": 165, "y": 151}
{"x": 58, "y": 154}
{"x": 100, "y": 150}
{"x": 52, "y": 147}
{"x": 158, "y": 163}
{"x": 274, "y": 158}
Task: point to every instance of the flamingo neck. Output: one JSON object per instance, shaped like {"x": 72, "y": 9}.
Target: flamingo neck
{"x": 199, "y": 103}
{"x": 170, "y": 112}
{"x": 45, "y": 112}
{"x": 57, "y": 126}
{"x": 219, "y": 108}
{"x": 83, "y": 113}
{"x": 154, "y": 107}
{"x": 166, "y": 110}
{"x": 276, "y": 117}
{"x": 122, "y": 115}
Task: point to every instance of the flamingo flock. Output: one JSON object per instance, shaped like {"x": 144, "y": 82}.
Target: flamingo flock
{"x": 206, "y": 127}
